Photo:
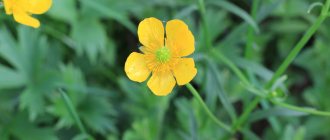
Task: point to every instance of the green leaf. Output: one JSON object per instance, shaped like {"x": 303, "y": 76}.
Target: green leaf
{"x": 10, "y": 78}
{"x": 33, "y": 100}
{"x": 82, "y": 137}
{"x": 237, "y": 11}
{"x": 71, "y": 78}
{"x": 103, "y": 7}
{"x": 300, "y": 134}
{"x": 97, "y": 113}
{"x": 21, "y": 128}
{"x": 9, "y": 49}
{"x": 248, "y": 134}
{"x": 109, "y": 55}
{"x": 26, "y": 56}
{"x": 186, "y": 11}
{"x": 268, "y": 9}
{"x": 187, "y": 118}
{"x": 138, "y": 130}
{"x": 193, "y": 123}
{"x": 277, "y": 112}
{"x": 214, "y": 86}
{"x": 90, "y": 37}
{"x": 213, "y": 18}
{"x": 288, "y": 132}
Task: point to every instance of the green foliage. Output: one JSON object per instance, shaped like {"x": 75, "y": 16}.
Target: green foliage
{"x": 20, "y": 128}
{"x": 82, "y": 45}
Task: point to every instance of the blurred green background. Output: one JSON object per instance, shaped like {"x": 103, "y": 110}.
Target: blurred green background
{"x": 82, "y": 46}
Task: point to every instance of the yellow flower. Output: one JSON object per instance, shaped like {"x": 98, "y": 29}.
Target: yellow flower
{"x": 162, "y": 56}
{"x": 23, "y": 9}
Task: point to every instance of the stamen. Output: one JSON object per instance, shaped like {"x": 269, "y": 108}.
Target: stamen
{"x": 163, "y": 54}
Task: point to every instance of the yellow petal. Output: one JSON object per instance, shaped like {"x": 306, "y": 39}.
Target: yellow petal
{"x": 151, "y": 34}
{"x": 161, "y": 83}
{"x": 24, "y": 18}
{"x": 8, "y": 4}
{"x": 39, "y": 6}
{"x": 184, "y": 71}
{"x": 136, "y": 67}
{"x": 179, "y": 38}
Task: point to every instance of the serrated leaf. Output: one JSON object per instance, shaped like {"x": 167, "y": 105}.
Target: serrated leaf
{"x": 26, "y": 56}
{"x": 90, "y": 37}
{"x": 71, "y": 78}
{"x": 96, "y": 113}
{"x": 33, "y": 101}
{"x": 102, "y": 7}
{"x": 138, "y": 130}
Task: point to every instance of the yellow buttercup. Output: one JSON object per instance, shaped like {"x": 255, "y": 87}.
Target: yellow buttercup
{"x": 161, "y": 56}
{"x": 22, "y": 10}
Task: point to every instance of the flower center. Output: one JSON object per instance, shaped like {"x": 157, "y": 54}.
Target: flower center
{"x": 163, "y": 55}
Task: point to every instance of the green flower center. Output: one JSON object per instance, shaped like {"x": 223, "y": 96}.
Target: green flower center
{"x": 163, "y": 55}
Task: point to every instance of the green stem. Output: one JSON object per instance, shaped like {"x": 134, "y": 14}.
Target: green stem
{"x": 73, "y": 112}
{"x": 209, "y": 113}
{"x": 201, "y": 5}
{"x": 300, "y": 109}
{"x": 285, "y": 65}
{"x": 249, "y": 53}
{"x": 310, "y": 32}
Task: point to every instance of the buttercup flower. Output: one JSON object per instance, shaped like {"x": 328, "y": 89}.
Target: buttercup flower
{"x": 163, "y": 56}
{"x": 23, "y": 9}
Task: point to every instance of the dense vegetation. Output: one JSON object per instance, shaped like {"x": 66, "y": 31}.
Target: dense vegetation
{"x": 81, "y": 47}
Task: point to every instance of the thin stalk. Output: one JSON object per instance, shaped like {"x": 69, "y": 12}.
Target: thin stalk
{"x": 208, "y": 42}
{"x": 293, "y": 54}
{"x": 73, "y": 112}
{"x": 249, "y": 53}
{"x": 208, "y": 112}
{"x": 310, "y": 32}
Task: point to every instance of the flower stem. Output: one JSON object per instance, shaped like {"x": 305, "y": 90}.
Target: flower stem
{"x": 310, "y": 32}
{"x": 249, "y": 53}
{"x": 73, "y": 112}
{"x": 209, "y": 113}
